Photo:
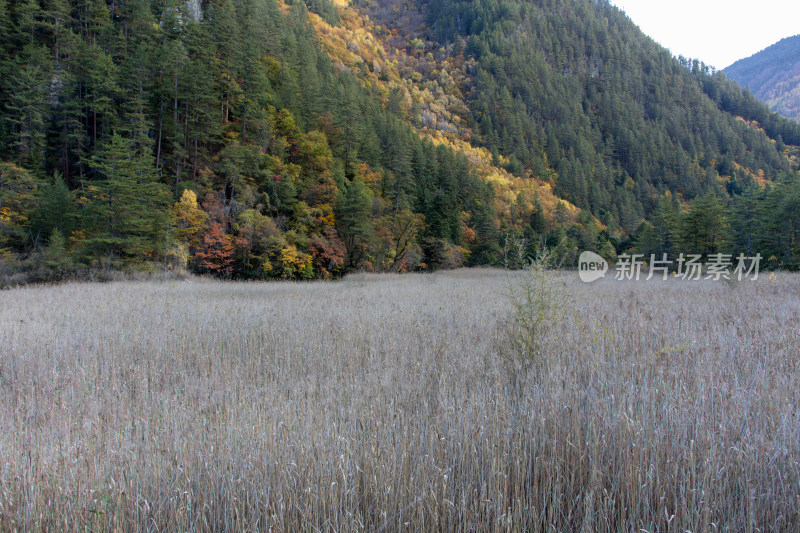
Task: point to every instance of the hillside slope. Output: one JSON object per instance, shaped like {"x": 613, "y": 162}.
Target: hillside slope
{"x": 773, "y": 75}
{"x": 575, "y": 87}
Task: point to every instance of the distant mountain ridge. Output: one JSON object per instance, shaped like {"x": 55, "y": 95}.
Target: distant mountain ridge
{"x": 773, "y": 75}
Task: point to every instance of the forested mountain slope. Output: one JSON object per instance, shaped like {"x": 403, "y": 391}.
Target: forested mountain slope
{"x": 231, "y": 144}
{"x": 255, "y": 138}
{"x": 576, "y": 86}
{"x": 773, "y": 75}
{"x": 572, "y": 92}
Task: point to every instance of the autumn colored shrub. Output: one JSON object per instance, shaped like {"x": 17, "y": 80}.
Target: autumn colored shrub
{"x": 216, "y": 253}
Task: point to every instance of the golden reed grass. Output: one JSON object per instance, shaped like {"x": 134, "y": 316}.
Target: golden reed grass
{"x": 386, "y": 402}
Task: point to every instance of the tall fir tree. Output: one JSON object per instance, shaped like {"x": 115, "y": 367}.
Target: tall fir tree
{"x": 127, "y": 204}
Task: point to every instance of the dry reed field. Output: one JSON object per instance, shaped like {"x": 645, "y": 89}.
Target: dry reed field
{"x": 386, "y": 403}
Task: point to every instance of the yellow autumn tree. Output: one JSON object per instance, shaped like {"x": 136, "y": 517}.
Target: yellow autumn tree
{"x": 295, "y": 263}
{"x": 189, "y": 219}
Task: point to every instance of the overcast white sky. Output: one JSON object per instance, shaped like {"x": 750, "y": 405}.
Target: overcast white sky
{"x": 718, "y": 32}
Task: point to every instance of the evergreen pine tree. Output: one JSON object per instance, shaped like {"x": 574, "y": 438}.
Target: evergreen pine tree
{"x": 127, "y": 204}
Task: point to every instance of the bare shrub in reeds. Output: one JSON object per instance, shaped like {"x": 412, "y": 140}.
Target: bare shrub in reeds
{"x": 382, "y": 403}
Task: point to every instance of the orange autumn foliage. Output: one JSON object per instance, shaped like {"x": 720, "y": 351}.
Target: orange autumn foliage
{"x": 216, "y": 254}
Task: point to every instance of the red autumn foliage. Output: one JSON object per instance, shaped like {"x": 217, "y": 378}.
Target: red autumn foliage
{"x": 216, "y": 253}
{"x": 328, "y": 250}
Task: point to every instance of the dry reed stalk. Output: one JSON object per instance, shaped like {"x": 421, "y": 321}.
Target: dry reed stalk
{"x": 382, "y": 403}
